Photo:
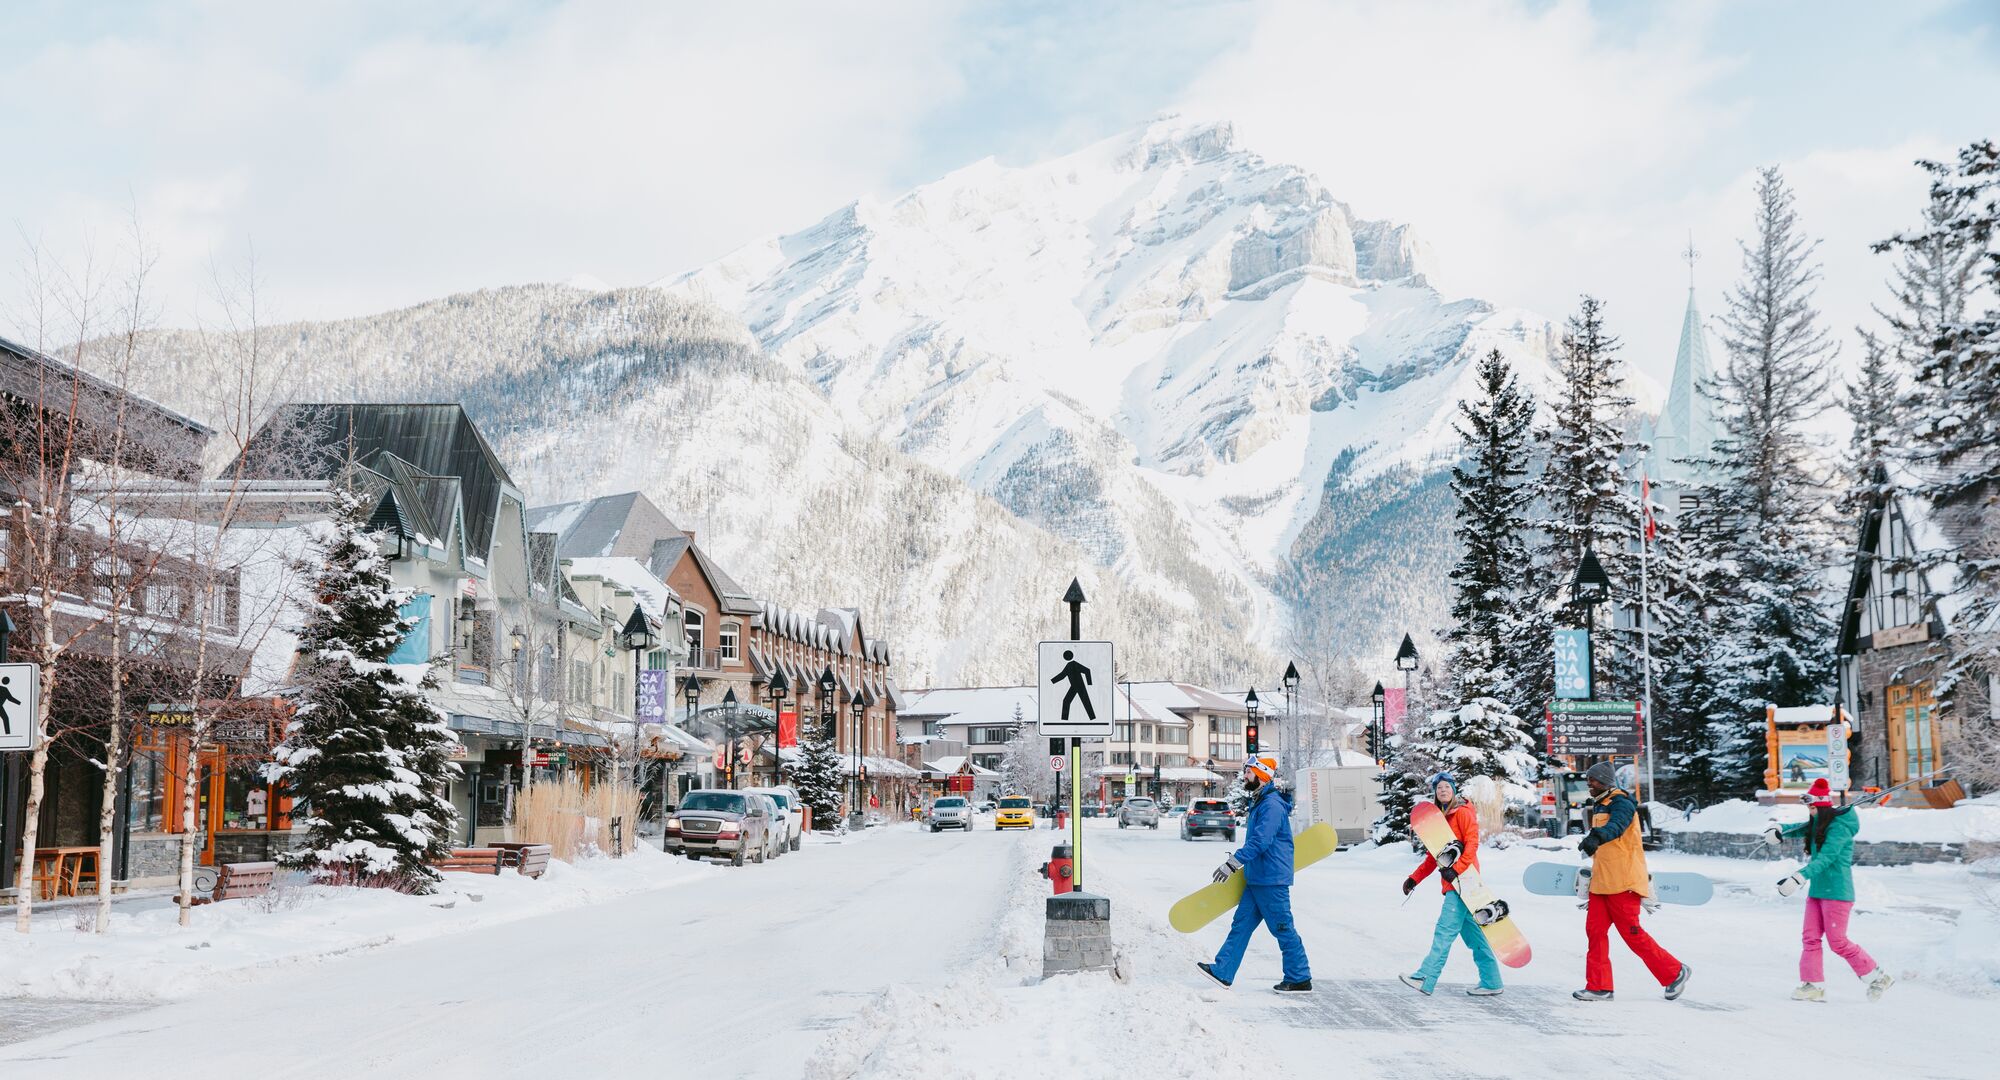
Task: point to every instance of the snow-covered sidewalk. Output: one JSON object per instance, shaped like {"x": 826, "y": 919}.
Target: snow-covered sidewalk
{"x": 146, "y": 957}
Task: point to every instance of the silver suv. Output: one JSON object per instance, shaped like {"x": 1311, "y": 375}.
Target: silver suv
{"x": 951, "y": 812}
{"x": 1139, "y": 810}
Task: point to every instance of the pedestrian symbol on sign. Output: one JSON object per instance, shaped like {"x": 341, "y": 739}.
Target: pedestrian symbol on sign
{"x": 1078, "y": 678}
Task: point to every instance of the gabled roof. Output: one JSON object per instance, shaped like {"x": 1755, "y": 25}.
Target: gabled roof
{"x": 156, "y": 440}
{"x": 437, "y": 442}
{"x": 1937, "y": 532}
{"x": 626, "y": 525}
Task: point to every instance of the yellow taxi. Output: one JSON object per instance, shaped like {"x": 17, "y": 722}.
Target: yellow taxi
{"x": 1016, "y": 812}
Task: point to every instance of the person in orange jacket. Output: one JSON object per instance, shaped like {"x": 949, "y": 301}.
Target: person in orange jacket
{"x": 1454, "y": 919}
{"x": 1619, "y": 886}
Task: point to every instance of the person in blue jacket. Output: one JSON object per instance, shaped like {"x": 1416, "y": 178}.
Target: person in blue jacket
{"x": 1266, "y": 861}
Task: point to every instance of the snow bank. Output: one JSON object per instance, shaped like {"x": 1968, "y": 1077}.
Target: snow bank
{"x": 1976, "y": 820}
{"x": 147, "y": 957}
{"x": 1000, "y": 1018}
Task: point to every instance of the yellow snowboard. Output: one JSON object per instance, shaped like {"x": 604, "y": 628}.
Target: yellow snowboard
{"x": 1199, "y": 908}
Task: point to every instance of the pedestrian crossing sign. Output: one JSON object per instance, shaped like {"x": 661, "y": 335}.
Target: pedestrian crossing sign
{"x": 20, "y": 691}
{"x": 1076, "y": 684}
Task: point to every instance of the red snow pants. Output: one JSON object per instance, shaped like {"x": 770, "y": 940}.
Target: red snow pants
{"x": 1622, "y": 911}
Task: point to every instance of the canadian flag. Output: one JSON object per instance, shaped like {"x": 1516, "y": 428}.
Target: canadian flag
{"x": 1647, "y": 522}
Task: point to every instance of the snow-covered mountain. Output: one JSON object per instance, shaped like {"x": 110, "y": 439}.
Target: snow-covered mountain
{"x": 1190, "y": 375}
{"x": 1163, "y": 348}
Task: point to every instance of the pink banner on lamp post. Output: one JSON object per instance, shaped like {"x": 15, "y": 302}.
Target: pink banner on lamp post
{"x": 1393, "y": 705}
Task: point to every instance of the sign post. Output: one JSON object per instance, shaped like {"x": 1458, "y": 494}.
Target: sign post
{"x": 1838, "y": 776}
{"x": 1075, "y": 703}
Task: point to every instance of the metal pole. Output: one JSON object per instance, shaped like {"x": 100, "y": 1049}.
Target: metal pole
{"x": 1646, "y": 653}
{"x": 1074, "y": 598}
{"x": 10, "y": 786}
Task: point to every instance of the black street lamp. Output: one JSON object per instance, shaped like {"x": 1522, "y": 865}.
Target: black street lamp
{"x": 858, "y": 818}
{"x": 1250, "y": 705}
{"x": 1406, "y": 662}
{"x": 729, "y": 729}
{"x": 1381, "y": 699}
{"x": 1291, "y": 679}
{"x": 829, "y": 722}
{"x": 691, "y": 693}
{"x": 1590, "y": 587}
{"x": 777, "y": 688}
{"x": 638, "y": 638}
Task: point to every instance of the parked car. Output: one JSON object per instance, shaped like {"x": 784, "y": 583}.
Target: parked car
{"x": 710, "y": 821}
{"x": 1206, "y": 816}
{"x": 951, "y": 812}
{"x": 1139, "y": 810}
{"x": 1016, "y": 812}
{"x": 792, "y": 810}
{"x": 988, "y": 806}
{"x": 780, "y": 831}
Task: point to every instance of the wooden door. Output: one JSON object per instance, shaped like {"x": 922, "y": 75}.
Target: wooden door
{"x": 1913, "y": 749}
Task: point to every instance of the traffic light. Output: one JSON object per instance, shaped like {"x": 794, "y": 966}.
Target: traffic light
{"x": 1249, "y": 738}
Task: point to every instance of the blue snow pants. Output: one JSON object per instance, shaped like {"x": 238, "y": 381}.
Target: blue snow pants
{"x": 1455, "y": 921}
{"x": 1272, "y": 906}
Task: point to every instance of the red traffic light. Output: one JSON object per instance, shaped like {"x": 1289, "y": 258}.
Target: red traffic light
{"x": 1249, "y": 738}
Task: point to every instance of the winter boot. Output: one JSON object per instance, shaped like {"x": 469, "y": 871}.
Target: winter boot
{"x": 1303, "y": 986}
{"x": 1680, "y": 983}
{"x": 1414, "y": 983}
{"x": 1591, "y": 995}
{"x": 1880, "y": 983}
{"x": 1209, "y": 970}
{"x": 1809, "y": 992}
{"x": 1484, "y": 991}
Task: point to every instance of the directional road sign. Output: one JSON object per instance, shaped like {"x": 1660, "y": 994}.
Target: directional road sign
{"x": 1595, "y": 727}
{"x": 20, "y": 692}
{"x": 1076, "y": 689}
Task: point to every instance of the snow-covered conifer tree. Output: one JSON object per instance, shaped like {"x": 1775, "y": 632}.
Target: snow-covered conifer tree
{"x": 1489, "y": 647}
{"x": 363, "y": 753}
{"x": 1025, "y": 768}
{"x": 818, "y": 773}
{"x": 1483, "y": 738}
{"x": 1871, "y": 403}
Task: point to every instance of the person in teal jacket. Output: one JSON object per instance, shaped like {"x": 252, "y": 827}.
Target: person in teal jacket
{"x": 1829, "y": 838}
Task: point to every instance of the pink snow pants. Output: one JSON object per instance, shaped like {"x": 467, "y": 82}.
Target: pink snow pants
{"x": 1828, "y": 918}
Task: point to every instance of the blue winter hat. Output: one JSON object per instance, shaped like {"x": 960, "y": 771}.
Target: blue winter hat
{"x": 1443, "y": 778}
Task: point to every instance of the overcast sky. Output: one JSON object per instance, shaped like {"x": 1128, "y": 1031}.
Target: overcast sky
{"x": 378, "y": 154}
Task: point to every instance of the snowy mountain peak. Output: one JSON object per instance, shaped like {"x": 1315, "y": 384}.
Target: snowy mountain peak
{"x": 1159, "y": 344}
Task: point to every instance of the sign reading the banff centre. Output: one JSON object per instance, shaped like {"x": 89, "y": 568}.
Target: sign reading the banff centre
{"x": 1595, "y": 728}
{"x": 1076, "y": 688}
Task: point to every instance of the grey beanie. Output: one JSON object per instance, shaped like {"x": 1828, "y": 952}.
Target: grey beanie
{"x": 1604, "y": 773}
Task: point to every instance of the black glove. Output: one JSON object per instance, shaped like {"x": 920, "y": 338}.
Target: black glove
{"x": 1591, "y": 844}
{"x": 1409, "y": 885}
{"x": 1448, "y": 874}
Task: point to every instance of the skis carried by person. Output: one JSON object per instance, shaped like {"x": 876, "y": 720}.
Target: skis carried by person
{"x": 1454, "y": 854}
{"x": 1619, "y": 886}
{"x": 1264, "y": 863}
{"x": 1829, "y": 839}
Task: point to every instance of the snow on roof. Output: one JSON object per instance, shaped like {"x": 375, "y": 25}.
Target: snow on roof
{"x": 627, "y": 573}
{"x": 953, "y": 764}
{"x": 1802, "y": 714}
{"x": 973, "y": 704}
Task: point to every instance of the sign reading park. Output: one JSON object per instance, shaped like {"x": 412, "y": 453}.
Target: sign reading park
{"x": 20, "y": 691}
{"x": 1076, "y": 684}
{"x": 1595, "y": 728}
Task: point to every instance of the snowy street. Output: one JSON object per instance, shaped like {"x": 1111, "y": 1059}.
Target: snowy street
{"x": 904, "y": 954}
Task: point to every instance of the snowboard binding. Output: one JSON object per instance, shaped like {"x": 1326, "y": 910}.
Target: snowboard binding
{"x": 1451, "y": 854}
{"x": 1491, "y": 913}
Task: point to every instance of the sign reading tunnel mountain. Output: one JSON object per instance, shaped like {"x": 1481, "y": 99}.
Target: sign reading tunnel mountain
{"x": 1076, "y": 690}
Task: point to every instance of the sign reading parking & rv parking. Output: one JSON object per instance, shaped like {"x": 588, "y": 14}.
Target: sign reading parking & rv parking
{"x": 20, "y": 691}
{"x": 1076, "y": 689}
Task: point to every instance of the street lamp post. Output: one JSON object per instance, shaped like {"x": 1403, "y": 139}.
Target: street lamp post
{"x": 637, "y": 637}
{"x": 691, "y": 693}
{"x": 729, "y": 729}
{"x": 1590, "y": 587}
{"x": 777, "y": 688}
{"x": 857, "y": 745}
{"x": 829, "y": 722}
{"x": 1293, "y": 742}
{"x": 1381, "y": 699}
{"x": 1406, "y": 662}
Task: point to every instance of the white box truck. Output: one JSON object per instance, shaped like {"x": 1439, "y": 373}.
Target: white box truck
{"x": 1344, "y": 796}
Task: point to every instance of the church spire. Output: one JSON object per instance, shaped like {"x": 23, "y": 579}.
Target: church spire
{"x": 1688, "y": 427}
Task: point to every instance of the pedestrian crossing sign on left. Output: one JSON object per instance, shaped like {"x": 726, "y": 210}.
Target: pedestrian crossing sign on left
{"x": 20, "y": 689}
{"x": 1076, "y": 685}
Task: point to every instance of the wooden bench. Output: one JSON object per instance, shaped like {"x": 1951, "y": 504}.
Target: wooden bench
{"x": 478, "y": 860}
{"x": 242, "y": 880}
{"x": 531, "y": 860}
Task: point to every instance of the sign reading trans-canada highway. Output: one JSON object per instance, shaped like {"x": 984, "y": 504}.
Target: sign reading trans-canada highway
{"x": 20, "y": 690}
{"x": 1595, "y": 727}
{"x": 1076, "y": 690}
